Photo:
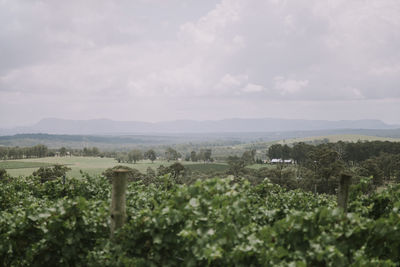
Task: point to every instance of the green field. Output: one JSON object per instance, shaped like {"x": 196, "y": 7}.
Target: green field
{"x": 93, "y": 165}
{"x": 11, "y": 164}
{"x": 259, "y": 166}
{"x": 90, "y": 165}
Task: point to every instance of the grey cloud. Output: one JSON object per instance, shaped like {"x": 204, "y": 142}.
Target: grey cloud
{"x": 195, "y": 54}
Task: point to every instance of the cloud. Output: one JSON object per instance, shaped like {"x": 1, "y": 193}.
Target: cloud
{"x": 287, "y": 86}
{"x": 208, "y": 28}
{"x": 197, "y": 52}
{"x": 252, "y": 88}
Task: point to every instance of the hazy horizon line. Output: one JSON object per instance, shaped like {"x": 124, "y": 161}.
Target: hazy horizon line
{"x": 195, "y": 120}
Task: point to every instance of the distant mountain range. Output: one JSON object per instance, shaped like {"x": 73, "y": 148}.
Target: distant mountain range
{"x": 112, "y": 142}
{"x": 111, "y": 127}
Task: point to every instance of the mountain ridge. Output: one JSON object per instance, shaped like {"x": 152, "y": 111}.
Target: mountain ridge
{"x": 107, "y": 126}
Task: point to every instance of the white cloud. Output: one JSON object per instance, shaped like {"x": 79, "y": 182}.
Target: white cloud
{"x": 252, "y": 88}
{"x": 208, "y": 28}
{"x": 288, "y": 86}
{"x": 230, "y": 83}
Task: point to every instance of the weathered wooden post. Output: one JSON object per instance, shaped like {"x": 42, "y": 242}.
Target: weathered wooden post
{"x": 343, "y": 192}
{"x": 118, "y": 212}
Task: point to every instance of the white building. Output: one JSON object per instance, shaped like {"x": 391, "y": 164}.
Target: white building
{"x": 286, "y": 161}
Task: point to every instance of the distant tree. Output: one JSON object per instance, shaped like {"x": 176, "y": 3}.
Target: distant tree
{"x": 3, "y": 153}
{"x": 370, "y": 168}
{"x": 135, "y": 155}
{"x": 95, "y": 151}
{"x": 193, "y": 156}
{"x": 387, "y": 163}
{"x": 396, "y": 168}
{"x": 151, "y": 155}
{"x": 187, "y": 157}
{"x": 171, "y": 154}
{"x": 279, "y": 175}
{"x": 340, "y": 147}
{"x": 121, "y": 157}
{"x": 248, "y": 156}
{"x": 300, "y": 152}
{"x": 275, "y": 151}
{"x": 39, "y": 151}
{"x": 236, "y": 165}
{"x": 286, "y": 151}
{"x": 63, "y": 151}
{"x": 205, "y": 155}
{"x": 90, "y": 152}
{"x": 356, "y": 152}
{"x": 327, "y": 167}
{"x": 259, "y": 161}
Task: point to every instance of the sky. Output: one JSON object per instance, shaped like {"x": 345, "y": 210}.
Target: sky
{"x": 159, "y": 60}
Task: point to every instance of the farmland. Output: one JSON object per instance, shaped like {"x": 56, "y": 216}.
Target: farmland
{"x": 13, "y": 164}
{"x": 93, "y": 165}
{"x": 203, "y": 211}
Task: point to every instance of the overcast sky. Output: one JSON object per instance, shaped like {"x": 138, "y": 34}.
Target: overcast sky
{"x": 156, "y": 60}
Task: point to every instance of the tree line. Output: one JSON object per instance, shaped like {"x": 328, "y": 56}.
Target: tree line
{"x": 170, "y": 154}
{"x": 318, "y": 167}
{"x": 38, "y": 151}
{"x": 351, "y": 153}
{"x": 132, "y": 156}
{"x": 41, "y": 151}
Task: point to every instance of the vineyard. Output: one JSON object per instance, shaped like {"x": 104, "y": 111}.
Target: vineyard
{"x": 215, "y": 222}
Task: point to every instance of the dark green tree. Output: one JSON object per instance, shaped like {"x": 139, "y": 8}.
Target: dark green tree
{"x": 286, "y": 152}
{"x": 193, "y": 156}
{"x": 205, "y": 155}
{"x": 3, "y": 174}
{"x": 135, "y": 155}
{"x": 387, "y": 163}
{"x": 236, "y": 165}
{"x": 171, "y": 154}
{"x": 370, "y": 168}
{"x": 176, "y": 170}
{"x": 249, "y": 156}
{"x": 327, "y": 167}
{"x": 151, "y": 155}
{"x": 51, "y": 173}
{"x": 275, "y": 151}
{"x": 300, "y": 152}
{"x": 63, "y": 151}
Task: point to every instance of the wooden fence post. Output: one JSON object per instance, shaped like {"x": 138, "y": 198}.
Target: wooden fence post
{"x": 118, "y": 212}
{"x": 343, "y": 192}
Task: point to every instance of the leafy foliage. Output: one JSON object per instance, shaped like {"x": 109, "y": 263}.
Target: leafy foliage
{"x": 216, "y": 222}
{"x": 3, "y": 174}
{"x": 50, "y": 173}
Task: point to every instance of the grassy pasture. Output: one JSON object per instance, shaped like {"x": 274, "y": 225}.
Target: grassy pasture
{"x": 259, "y": 166}
{"x": 90, "y": 165}
{"x": 94, "y": 165}
{"x": 11, "y": 164}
